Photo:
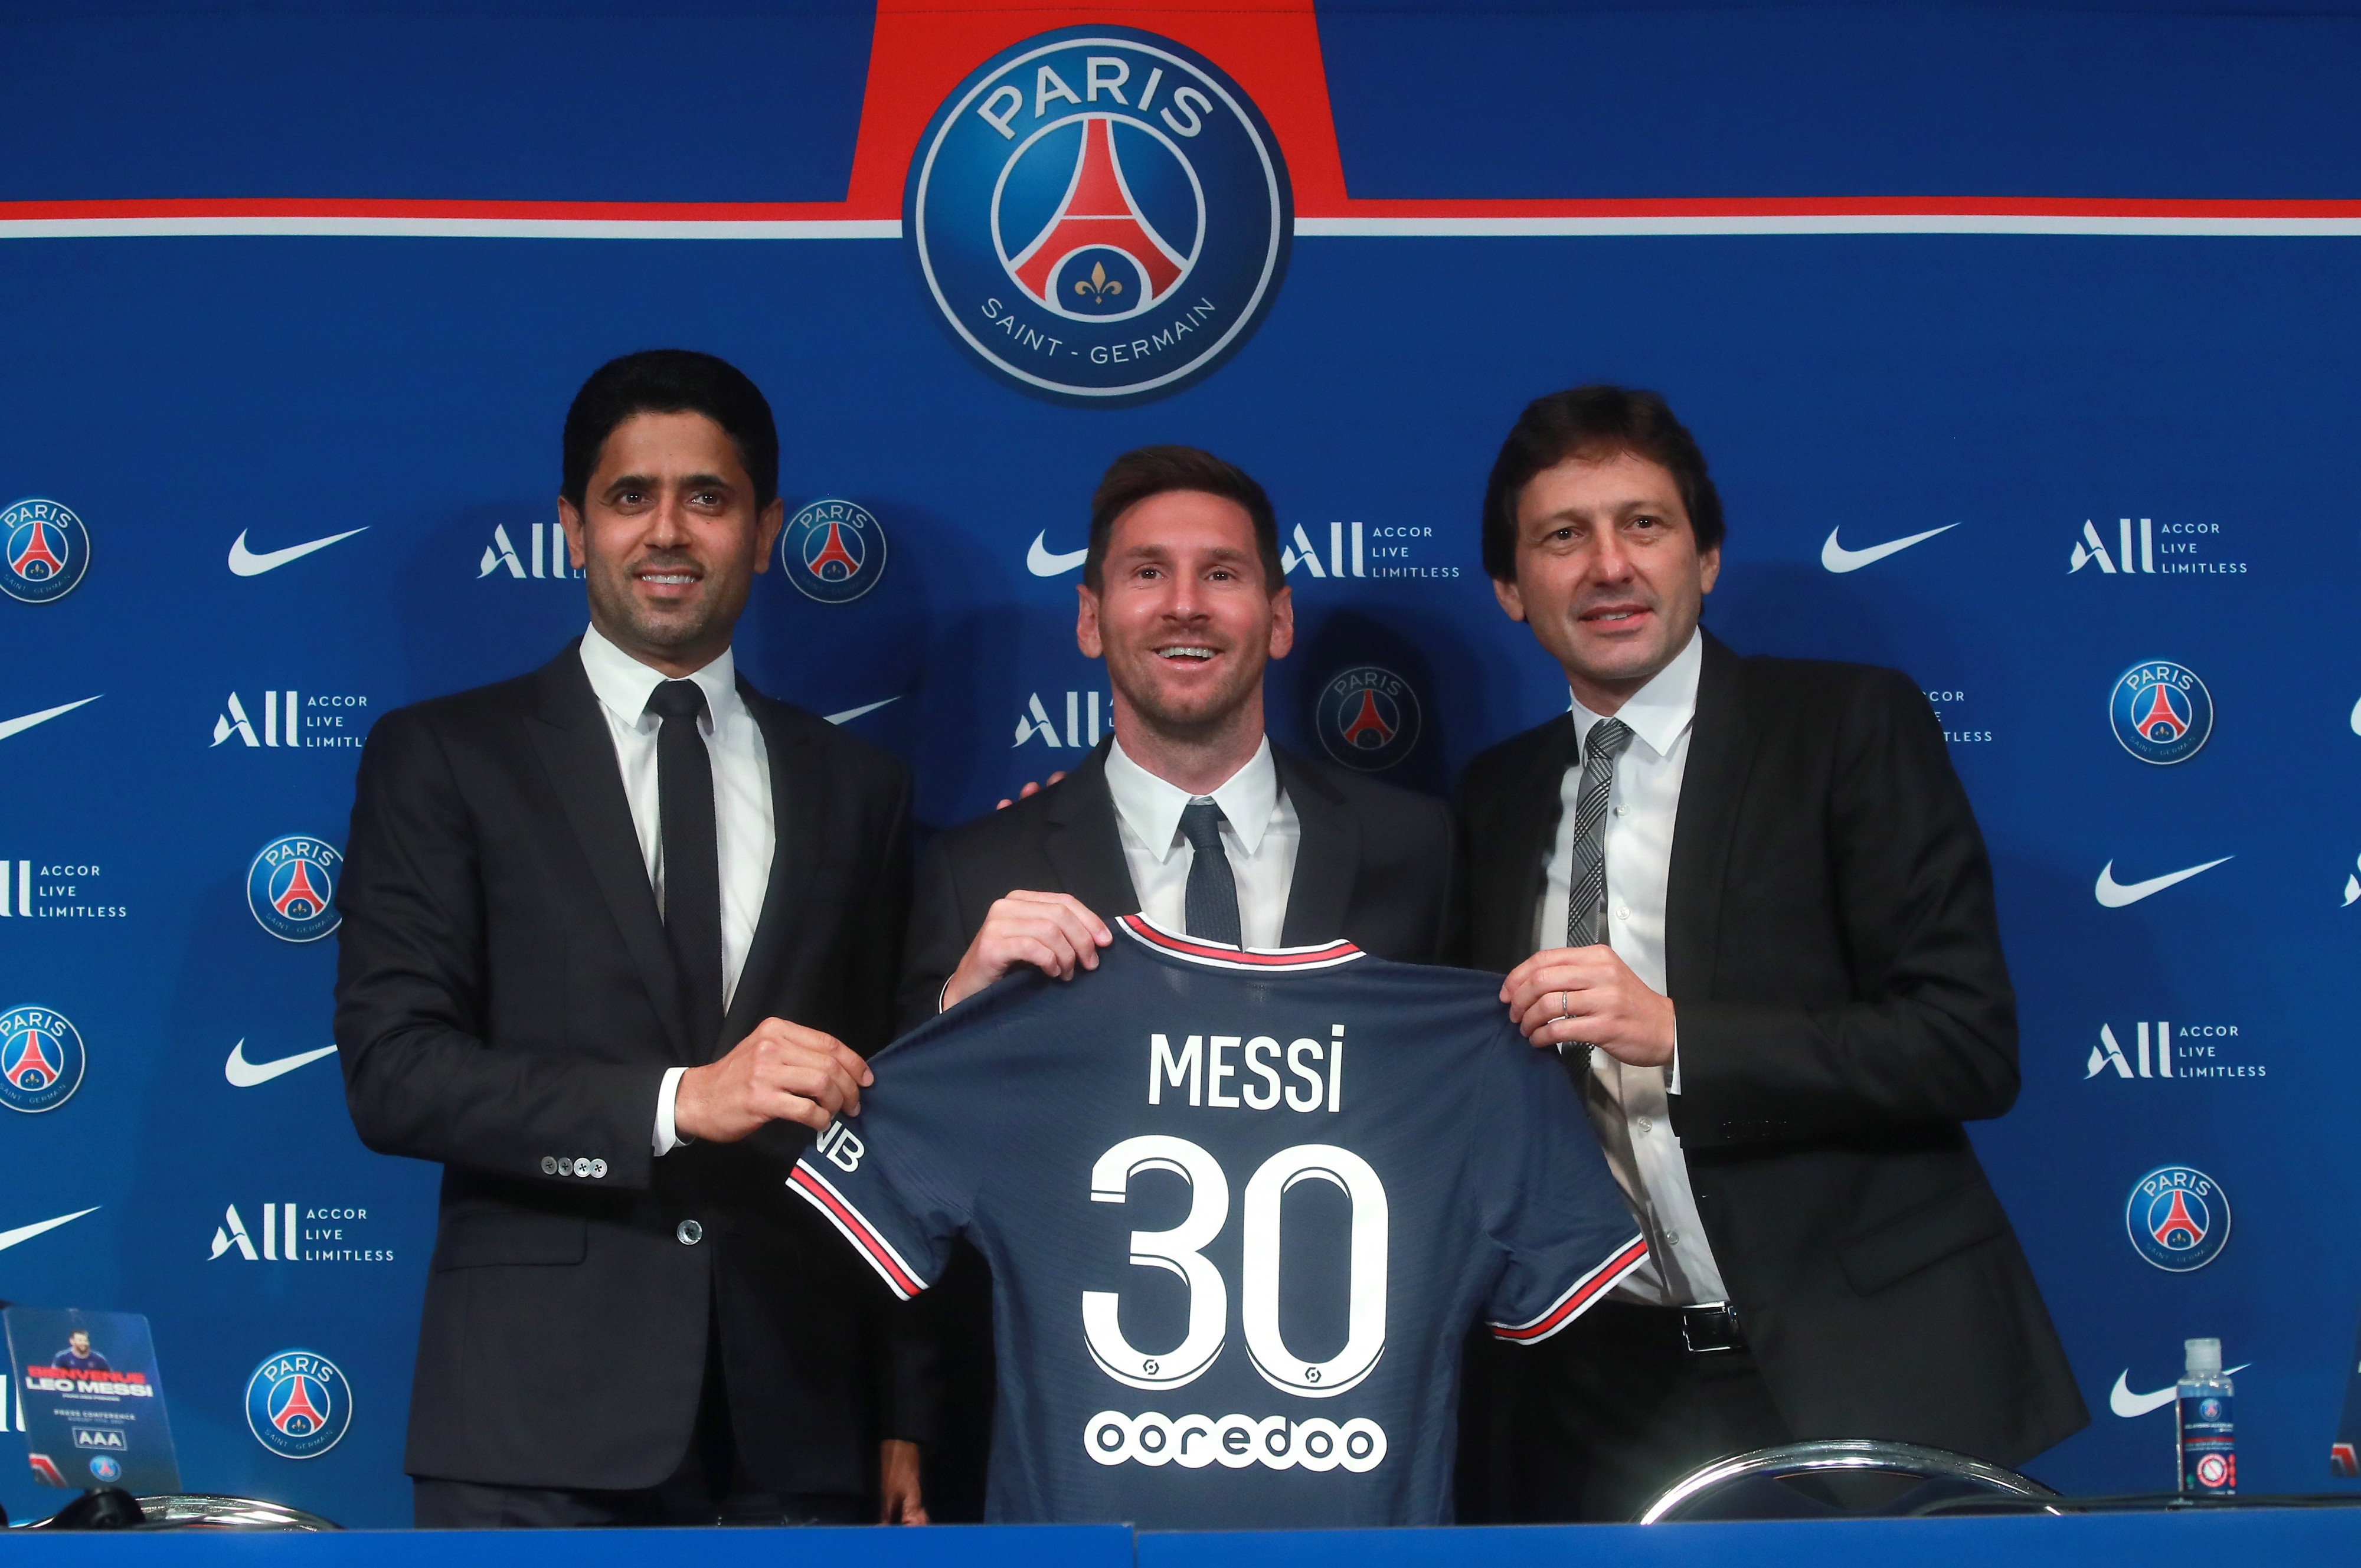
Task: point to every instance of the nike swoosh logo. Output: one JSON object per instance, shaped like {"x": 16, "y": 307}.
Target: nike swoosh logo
{"x": 19, "y": 726}
{"x": 2114, "y": 894}
{"x": 1837, "y": 558}
{"x": 2130, "y": 1406}
{"x": 26, "y": 1233}
{"x": 1044, "y": 561}
{"x": 246, "y": 1074}
{"x": 253, "y": 564}
{"x": 850, "y": 713}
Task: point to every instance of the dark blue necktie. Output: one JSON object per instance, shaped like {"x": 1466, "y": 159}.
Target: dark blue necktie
{"x": 1212, "y": 907}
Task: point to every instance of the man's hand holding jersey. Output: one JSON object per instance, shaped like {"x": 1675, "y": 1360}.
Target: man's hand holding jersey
{"x": 1587, "y": 996}
{"x": 1051, "y": 931}
{"x": 781, "y": 1073}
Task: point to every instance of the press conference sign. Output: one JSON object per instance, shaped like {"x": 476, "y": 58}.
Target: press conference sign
{"x": 1100, "y": 213}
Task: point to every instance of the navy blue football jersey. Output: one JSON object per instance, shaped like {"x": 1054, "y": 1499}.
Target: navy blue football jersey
{"x": 1241, "y": 1208}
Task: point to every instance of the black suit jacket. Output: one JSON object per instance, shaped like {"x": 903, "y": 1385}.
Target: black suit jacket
{"x": 1375, "y": 866}
{"x": 1833, "y": 954}
{"x": 507, "y": 1000}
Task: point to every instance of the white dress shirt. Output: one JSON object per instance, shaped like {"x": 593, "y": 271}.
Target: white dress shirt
{"x": 1631, "y": 1106}
{"x": 744, "y": 834}
{"x": 1260, "y": 835}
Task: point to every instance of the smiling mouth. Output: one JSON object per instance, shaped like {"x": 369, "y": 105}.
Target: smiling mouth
{"x": 1186, "y": 653}
{"x": 1613, "y": 617}
{"x": 674, "y": 579}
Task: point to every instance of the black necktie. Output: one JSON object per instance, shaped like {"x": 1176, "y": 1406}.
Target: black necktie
{"x": 692, "y": 864}
{"x": 1212, "y": 906}
{"x": 1585, "y": 904}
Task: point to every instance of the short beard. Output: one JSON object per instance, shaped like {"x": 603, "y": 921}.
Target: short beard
{"x": 612, "y": 602}
{"x": 1194, "y": 727}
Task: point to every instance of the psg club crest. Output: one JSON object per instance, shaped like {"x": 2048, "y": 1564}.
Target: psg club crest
{"x": 291, "y": 887}
{"x": 298, "y": 1405}
{"x": 46, "y": 550}
{"x": 106, "y": 1470}
{"x": 1367, "y": 719}
{"x": 2161, "y": 711}
{"x": 1100, "y": 213}
{"x": 2178, "y": 1218}
{"x": 833, "y": 550}
{"x": 41, "y": 1059}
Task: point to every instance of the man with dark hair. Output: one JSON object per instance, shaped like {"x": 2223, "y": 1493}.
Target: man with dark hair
{"x": 616, "y": 1023}
{"x": 1746, "y": 900}
{"x": 1187, "y": 813}
{"x": 78, "y": 1357}
{"x": 1184, "y": 596}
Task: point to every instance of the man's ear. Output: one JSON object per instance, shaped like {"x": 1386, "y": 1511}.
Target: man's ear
{"x": 1086, "y": 623}
{"x": 1710, "y": 568}
{"x": 1282, "y": 623}
{"x": 570, "y": 519}
{"x": 1513, "y": 603}
{"x": 766, "y": 532}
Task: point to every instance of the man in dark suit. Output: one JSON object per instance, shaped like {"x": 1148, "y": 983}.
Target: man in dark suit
{"x": 615, "y": 933}
{"x": 1187, "y": 813}
{"x": 1747, "y": 900}
{"x": 1184, "y": 597}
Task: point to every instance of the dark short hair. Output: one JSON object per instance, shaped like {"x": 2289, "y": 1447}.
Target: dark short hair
{"x": 670, "y": 381}
{"x": 1593, "y": 421}
{"x": 1152, "y": 471}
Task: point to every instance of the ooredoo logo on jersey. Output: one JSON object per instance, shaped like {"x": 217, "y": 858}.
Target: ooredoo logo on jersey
{"x": 1100, "y": 212}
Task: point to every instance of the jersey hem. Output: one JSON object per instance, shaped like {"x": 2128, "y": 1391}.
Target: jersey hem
{"x": 1579, "y": 1297}
{"x": 1220, "y": 955}
{"x": 821, "y": 1194}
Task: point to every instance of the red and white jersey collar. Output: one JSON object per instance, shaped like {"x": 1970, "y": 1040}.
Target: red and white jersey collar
{"x": 1218, "y": 954}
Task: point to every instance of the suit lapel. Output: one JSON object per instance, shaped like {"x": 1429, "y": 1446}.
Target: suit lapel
{"x": 798, "y": 805}
{"x": 1720, "y": 747}
{"x": 570, "y": 734}
{"x": 1327, "y": 856}
{"x": 1084, "y": 844}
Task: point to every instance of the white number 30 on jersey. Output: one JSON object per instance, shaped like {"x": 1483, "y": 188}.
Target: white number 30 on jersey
{"x": 1180, "y": 1250}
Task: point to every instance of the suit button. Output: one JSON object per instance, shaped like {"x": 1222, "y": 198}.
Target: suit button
{"x": 549, "y": 1165}
{"x": 597, "y": 1167}
{"x": 689, "y": 1232}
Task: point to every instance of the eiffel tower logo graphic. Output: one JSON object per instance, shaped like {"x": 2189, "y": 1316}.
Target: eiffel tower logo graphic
{"x": 1098, "y": 212}
{"x": 832, "y": 563}
{"x": 2161, "y": 723}
{"x": 1368, "y": 727}
{"x": 300, "y": 899}
{"x": 297, "y": 1413}
{"x": 2178, "y": 1230}
{"x": 32, "y": 1060}
{"x": 36, "y": 560}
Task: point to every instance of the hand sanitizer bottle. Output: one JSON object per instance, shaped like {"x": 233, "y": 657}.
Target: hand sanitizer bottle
{"x": 2209, "y": 1457}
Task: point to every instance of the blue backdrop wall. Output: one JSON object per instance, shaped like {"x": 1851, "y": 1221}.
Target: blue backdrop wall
{"x": 2142, "y": 445}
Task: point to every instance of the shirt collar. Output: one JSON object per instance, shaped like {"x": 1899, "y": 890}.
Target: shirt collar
{"x": 1153, "y": 806}
{"x": 623, "y": 684}
{"x": 1660, "y": 710}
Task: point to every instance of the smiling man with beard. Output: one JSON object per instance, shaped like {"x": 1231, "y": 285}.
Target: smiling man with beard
{"x": 1187, "y": 813}
{"x": 616, "y": 936}
{"x": 1184, "y": 598}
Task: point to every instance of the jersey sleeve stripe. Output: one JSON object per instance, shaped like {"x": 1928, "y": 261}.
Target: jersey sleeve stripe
{"x": 1578, "y": 1297}
{"x": 815, "y": 1190}
{"x": 1326, "y": 955}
